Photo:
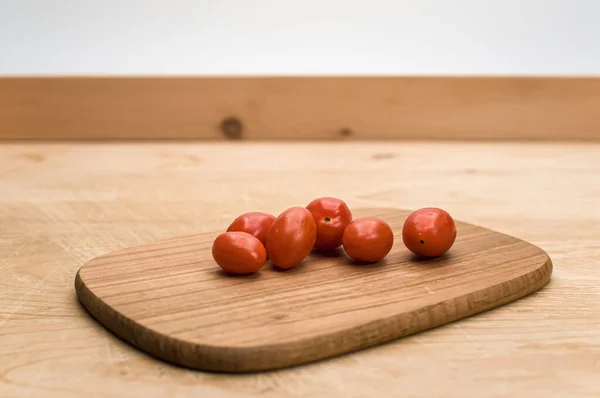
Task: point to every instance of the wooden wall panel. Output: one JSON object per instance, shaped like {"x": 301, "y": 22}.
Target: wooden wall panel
{"x": 321, "y": 108}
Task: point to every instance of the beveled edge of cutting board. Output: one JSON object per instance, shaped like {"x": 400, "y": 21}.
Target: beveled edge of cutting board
{"x": 244, "y": 359}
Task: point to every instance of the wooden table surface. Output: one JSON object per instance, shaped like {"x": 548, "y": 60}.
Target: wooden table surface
{"x": 63, "y": 204}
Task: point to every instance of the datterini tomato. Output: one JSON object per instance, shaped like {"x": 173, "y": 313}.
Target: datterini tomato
{"x": 429, "y": 232}
{"x": 332, "y": 215}
{"x": 255, "y": 223}
{"x": 368, "y": 239}
{"x": 291, "y": 237}
{"x": 239, "y": 252}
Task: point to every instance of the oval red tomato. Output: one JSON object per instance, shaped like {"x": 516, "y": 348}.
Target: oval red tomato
{"x": 429, "y": 232}
{"x": 332, "y": 215}
{"x": 239, "y": 253}
{"x": 255, "y": 223}
{"x": 291, "y": 237}
{"x": 368, "y": 239}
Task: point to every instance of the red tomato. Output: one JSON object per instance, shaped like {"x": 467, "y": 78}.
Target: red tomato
{"x": 255, "y": 223}
{"x": 332, "y": 216}
{"x": 239, "y": 253}
{"x": 291, "y": 237}
{"x": 368, "y": 239}
{"x": 429, "y": 232}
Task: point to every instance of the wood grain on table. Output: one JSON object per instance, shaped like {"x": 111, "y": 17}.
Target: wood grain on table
{"x": 63, "y": 204}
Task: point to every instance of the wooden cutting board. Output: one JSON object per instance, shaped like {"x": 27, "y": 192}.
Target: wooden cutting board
{"x": 171, "y": 300}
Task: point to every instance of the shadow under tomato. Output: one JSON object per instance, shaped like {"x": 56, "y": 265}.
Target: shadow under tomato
{"x": 433, "y": 262}
{"x": 296, "y": 268}
{"x": 366, "y": 264}
{"x": 224, "y": 274}
{"x": 334, "y": 253}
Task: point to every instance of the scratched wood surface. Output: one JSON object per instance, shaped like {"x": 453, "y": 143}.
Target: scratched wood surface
{"x": 64, "y": 204}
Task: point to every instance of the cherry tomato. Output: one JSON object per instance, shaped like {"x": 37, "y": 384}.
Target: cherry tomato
{"x": 291, "y": 237}
{"x": 368, "y": 239}
{"x": 429, "y": 232}
{"x": 332, "y": 216}
{"x": 255, "y": 223}
{"x": 239, "y": 252}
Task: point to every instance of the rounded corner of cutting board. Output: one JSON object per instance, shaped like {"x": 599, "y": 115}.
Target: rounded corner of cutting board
{"x": 547, "y": 268}
{"x": 418, "y": 309}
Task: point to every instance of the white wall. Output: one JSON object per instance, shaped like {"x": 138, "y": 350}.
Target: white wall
{"x": 299, "y": 37}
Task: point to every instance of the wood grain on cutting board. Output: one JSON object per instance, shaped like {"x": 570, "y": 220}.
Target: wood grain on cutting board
{"x": 171, "y": 300}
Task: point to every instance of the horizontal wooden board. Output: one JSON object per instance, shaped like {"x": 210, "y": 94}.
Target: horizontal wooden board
{"x": 316, "y": 108}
